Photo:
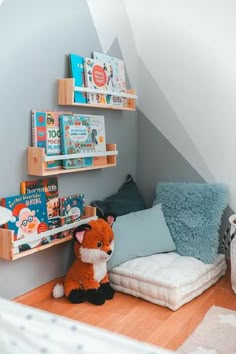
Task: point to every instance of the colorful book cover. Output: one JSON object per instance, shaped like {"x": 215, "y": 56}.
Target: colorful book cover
{"x": 46, "y": 133}
{"x": 116, "y": 82}
{"x": 72, "y": 207}
{"x": 54, "y": 223}
{"x": 77, "y": 72}
{"x": 50, "y": 187}
{"x": 29, "y": 217}
{"x": 97, "y": 124}
{"x": 39, "y": 133}
{"x": 71, "y": 210}
{"x": 76, "y": 138}
{"x": 96, "y": 78}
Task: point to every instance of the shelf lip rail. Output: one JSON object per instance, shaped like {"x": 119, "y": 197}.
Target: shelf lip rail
{"x": 112, "y": 93}
{"x": 80, "y": 155}
{"x": 51, "y": 232}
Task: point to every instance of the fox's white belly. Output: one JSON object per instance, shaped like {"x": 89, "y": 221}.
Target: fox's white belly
{"x": 100, "y": 270}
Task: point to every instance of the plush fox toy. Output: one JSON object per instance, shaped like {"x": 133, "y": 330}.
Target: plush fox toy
{"x": 87, "y": 279}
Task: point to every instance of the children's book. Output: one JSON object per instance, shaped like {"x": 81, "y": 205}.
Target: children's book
{"x": 97, "y": 124}
{"x": 71, "y": 210}
{"x": 96, "y": 78}
{"x": 72, "y": 207}
{"x": 76, "y": 138}
{"x": 77, "y": 72}
{"x": 46, "y": 133}
{"x": 29, "y": 217}
{"x": 116, "y": 82}
{"x": 50, "y": 187}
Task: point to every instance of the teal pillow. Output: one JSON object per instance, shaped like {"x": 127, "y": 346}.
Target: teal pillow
{"x": 139, "y": 234}
{"x": 193, "y": 214}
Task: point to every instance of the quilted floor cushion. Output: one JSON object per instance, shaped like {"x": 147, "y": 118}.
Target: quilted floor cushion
{"x": 167, "y": 279}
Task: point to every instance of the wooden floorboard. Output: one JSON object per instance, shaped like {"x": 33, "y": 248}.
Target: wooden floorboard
{"x": 135, "y": 317}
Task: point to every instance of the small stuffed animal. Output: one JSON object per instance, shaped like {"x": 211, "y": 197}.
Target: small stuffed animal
{"x": 87, "y": 278}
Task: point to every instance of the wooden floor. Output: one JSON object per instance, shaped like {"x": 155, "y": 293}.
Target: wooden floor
{"x": 137, "y": 318}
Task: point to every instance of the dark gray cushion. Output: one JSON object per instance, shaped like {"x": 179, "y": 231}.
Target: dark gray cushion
{"x": 127, "y": 199}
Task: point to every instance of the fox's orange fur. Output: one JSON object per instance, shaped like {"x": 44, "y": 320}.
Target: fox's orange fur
{"x": 87, "y": 278}
{"x": 82, "y": 274}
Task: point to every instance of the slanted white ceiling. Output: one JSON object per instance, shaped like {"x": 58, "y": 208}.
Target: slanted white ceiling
{"x": 189, "y": 48}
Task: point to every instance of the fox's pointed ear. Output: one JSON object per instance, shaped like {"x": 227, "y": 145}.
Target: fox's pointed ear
{"x": 79, "y": 232}
{"x": 110, "y": 219}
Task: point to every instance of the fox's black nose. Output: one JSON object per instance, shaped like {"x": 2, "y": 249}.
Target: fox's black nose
{"x": 109, "y": 252}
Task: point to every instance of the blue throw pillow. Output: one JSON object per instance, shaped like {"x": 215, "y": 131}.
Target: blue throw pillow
{"x": 193, "y": 214}
{"x": 139, "y": 234}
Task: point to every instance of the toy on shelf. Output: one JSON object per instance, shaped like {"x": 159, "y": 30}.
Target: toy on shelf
{"x": 87, "y": 278}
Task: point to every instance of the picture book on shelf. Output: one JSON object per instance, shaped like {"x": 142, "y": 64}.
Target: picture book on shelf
{"x": 96, "y": 78}
{"x": 71, "y": 210}
{"x": 29, "y": 217}
{"x": 115, "y": 70}
{"x": 46, "y": 133}
{"x": 76, "y": 138}
{"x": 72, "y": 206}
{"x": 77, "y": 72}
{"x": 48, "y": 185}
{"x": 97, "y": 124}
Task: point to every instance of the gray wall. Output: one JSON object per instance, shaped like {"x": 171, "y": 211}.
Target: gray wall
{"x": 35, "y": 39}
{"x": 158, "y": 160}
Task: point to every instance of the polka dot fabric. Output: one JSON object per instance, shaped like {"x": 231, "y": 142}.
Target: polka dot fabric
{"x": 28, "y": 330}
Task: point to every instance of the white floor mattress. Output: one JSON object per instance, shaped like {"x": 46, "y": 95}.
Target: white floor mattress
{"x": 167, "y": 279}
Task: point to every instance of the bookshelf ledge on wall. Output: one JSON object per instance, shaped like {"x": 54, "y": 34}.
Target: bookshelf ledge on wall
{"x": 37, "y": 161}
{"x": 66, "y": 89}
{"x": 9, "y": 248}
